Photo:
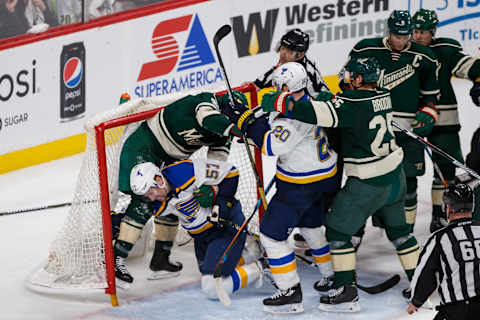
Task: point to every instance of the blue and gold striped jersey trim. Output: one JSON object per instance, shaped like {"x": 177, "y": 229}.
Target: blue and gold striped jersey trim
{"x": 267, "y": 144}
{"x": 161, "y": 208}
{"x": 200, "y": 228}
{"x": 306, "y": 177}
{"x": 233, "y": 173}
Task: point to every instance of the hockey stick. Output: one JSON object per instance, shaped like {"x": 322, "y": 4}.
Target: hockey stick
{"x": 378, "y": 288}
{"x": 219, "y": 35}
{"x": 51, "y": 206}
{"x": 437, "y": 150}
{"x": 437, "y": 168}
{"x": 217, "y": 273}
{"x": 39, "y": 208}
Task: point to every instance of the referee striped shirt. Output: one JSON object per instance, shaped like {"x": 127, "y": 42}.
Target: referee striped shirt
{"x": 315, "y": 82}
{"x": 450, "y": 260}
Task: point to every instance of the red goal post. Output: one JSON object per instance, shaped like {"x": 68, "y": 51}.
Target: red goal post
{"x": 105, "y": 188}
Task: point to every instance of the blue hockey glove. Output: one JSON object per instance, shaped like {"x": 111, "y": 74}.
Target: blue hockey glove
{"x": 221, "y": 211}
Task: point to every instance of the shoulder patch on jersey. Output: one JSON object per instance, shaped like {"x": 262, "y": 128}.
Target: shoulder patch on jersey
{"x": 180, "y": 174}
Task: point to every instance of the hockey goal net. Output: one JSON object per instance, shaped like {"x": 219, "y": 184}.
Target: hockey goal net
{"x": 81, "y": 256}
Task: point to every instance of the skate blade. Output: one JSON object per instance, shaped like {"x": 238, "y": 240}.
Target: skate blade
{"x": 156, "y": 275}
{"x": 122, "y": 284}
{"x": 285, "y": 309}
{"x": 341, "y": 307}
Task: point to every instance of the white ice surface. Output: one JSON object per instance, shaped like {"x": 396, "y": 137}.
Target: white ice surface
{"x": 25, "y": 239}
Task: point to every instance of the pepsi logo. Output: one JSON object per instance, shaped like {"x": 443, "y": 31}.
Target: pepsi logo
{"x": 72, "y": 72}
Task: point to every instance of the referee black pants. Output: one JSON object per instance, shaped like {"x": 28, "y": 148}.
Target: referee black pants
{"x": 465, "y": 310}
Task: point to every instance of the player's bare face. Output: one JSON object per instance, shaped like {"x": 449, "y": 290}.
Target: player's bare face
{"x": 287, "y": 55}
{"x": 398, "y": 42}
{"x": 158, "y": 193}
{"x": 422, "y": 37}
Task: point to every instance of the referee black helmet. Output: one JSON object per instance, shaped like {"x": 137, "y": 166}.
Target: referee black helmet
{"x": 459, "y": 198}
{"x": 295, "y": 40}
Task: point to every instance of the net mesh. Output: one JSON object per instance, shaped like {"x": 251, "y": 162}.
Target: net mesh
{"x": 76, "y": 256}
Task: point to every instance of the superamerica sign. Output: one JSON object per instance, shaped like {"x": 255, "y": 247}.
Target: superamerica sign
{"x": 188, "y": 60}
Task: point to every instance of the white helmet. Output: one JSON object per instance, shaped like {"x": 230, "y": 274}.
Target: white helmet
{"x": 142, "y": 177}
{"x": 292, "y": 74}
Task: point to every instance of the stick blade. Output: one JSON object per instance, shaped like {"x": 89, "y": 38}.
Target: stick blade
{"x": 221, "y": 293}
{"x": 381, "y": 287}
{"x": 221, "y": 33}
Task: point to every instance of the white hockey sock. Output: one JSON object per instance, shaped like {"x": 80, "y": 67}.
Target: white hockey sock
{"x": 282, "y": 262}
{"x": 320, "y": 249}
{"x": 251, "y": 252}
{"x": 241, "y": 277}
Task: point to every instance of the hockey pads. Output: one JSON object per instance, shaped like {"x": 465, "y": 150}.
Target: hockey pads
{"x": 221, "y": 211}
{"x": 425, "y": 120}
{"x": 206, "y": 195}
{"x": 475, "y": 92}
{"x": 276, "y": 101}
{"x": 324, "y": 96}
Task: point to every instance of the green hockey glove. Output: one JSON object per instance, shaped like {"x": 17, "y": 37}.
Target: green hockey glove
{"x": 275, "y": 101}
{"x": 324, "y": 96}
{"x": 425, "y": 120}
{"x": 206, "y": 195}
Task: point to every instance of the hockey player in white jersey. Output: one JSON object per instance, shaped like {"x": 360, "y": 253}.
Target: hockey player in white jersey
{"x": 306, "y": 168}
{"x": 174, "y": 189}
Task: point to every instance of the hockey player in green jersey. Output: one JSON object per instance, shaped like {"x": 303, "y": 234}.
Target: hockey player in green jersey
{"x": 409, "y": 71}
{"x": 453, "y": 62}
{"x": 174, "y": 133}
{"x": 373, "y": 163}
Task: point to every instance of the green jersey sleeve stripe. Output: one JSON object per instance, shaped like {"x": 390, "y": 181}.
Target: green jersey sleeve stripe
{"x": 463, "y": 67}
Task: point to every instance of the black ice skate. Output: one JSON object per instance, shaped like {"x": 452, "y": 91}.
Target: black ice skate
{"x": 121, "y": 272}
{"x": 285, "y": 301}
{"x": 324, "y": 284}
{"x": 437, "y": 223}
{"x": 342, "y": 299}
{"x": 160, "y": 265}
{"x": 406, "y": 293}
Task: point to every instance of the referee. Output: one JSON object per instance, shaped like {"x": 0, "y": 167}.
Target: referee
{"x": 450, "y": 260}
{"x": 293, "y": 47}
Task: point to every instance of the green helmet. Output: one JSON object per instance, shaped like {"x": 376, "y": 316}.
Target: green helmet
{"x": 400, "y": 22}
{"x": 238, "y": 96}
{"x": 368, "y": 67}
{"x": 425, "y": 19}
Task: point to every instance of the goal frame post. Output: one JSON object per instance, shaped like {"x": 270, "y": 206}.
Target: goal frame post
{"x": 104, "y": 185}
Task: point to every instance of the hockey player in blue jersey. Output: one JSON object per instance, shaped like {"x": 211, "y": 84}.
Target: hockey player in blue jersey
{"x": 208, "y": 217}
{"x": 306, "y": 168}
